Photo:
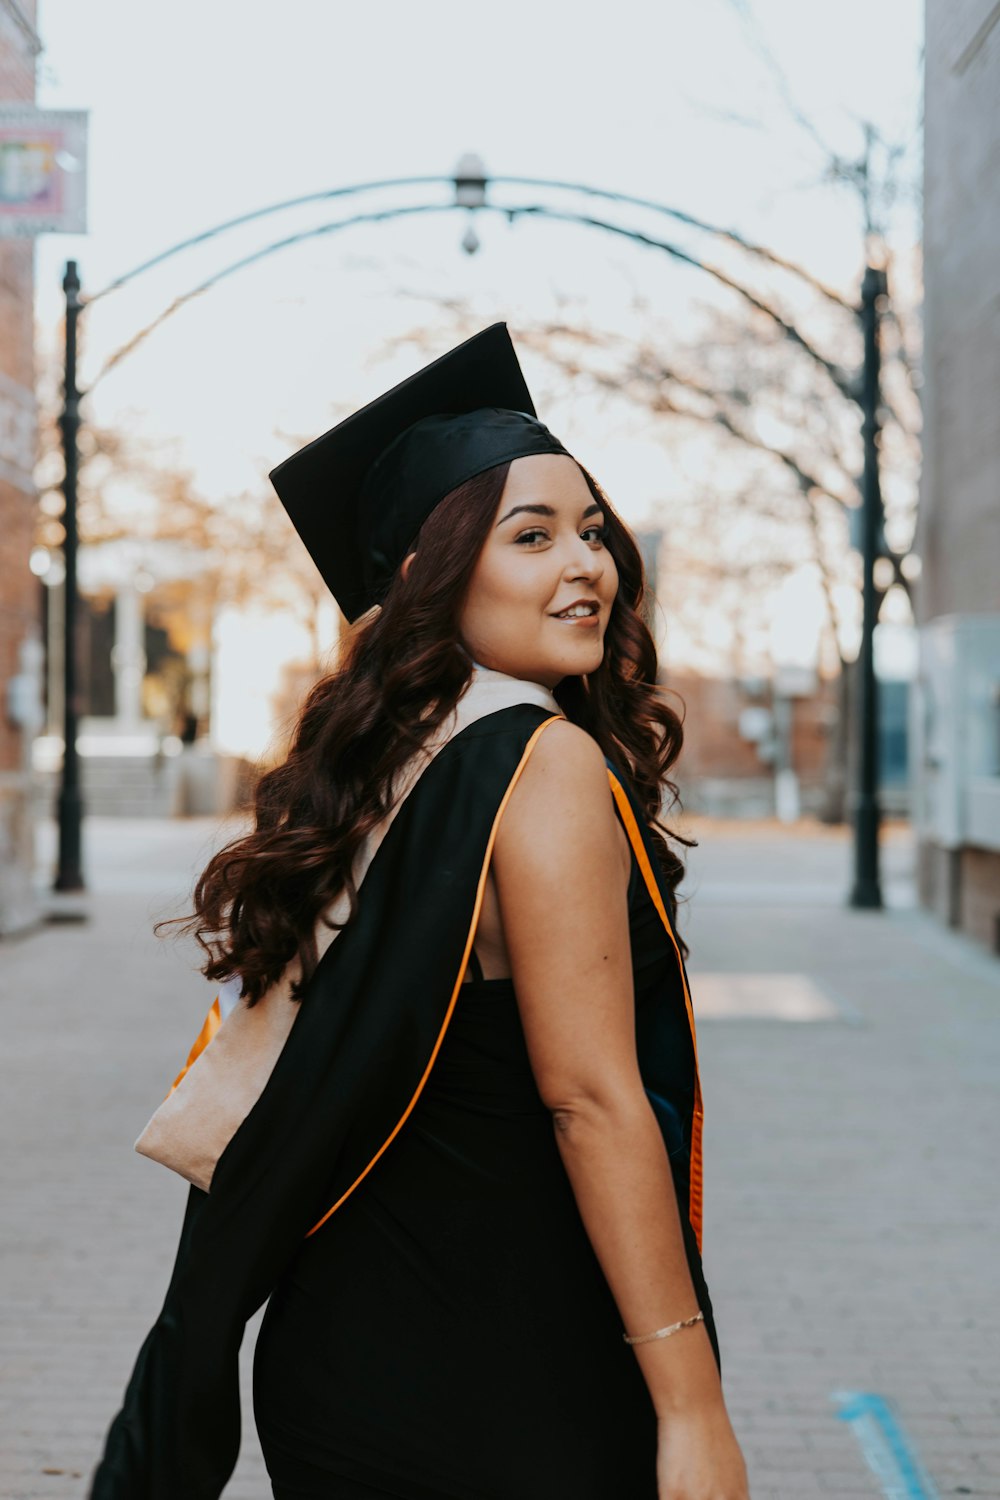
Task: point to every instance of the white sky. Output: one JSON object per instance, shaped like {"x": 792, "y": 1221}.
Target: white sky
{"x": 203, "y": 109}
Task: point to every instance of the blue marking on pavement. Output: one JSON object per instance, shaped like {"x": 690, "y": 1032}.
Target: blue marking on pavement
{"x": 885, "y": 1446}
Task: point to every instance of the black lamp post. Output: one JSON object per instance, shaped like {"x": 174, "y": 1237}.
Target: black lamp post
{"x": 69, "y": 874}
{"x": 866, "y": 891}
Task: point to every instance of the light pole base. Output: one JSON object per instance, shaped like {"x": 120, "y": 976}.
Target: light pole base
{"x": 866, "y": 894}
{"x": 866, "y": 897}
{"x": 69, "y": 816}
{"x": 65, "y": 907}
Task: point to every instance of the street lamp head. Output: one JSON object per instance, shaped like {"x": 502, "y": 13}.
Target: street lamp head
{"x": 470, "y": 181}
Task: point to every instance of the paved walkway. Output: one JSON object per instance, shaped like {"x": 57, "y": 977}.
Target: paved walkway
{"x": 850, "y": 1064}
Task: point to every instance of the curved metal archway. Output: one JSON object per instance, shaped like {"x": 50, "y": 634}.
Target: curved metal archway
{"x": 470, "y": 184}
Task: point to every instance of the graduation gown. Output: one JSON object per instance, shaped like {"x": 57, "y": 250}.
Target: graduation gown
{"x": 359, "y": 1053}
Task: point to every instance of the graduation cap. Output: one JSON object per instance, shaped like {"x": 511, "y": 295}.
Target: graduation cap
{"x": 358, "y": 495}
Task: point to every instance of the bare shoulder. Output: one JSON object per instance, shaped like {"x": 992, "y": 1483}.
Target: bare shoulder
{"x": 565, "y": 764}
{"x": 567, "y": 751}
{"x": 561, "y": 809}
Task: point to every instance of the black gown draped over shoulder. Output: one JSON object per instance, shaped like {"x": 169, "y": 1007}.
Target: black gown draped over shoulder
{"x": 450, "y": 1335}
{"x": 439, "y": 1327}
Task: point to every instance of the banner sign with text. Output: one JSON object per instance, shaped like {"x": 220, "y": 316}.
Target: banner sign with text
{"x": 43, "y": 170}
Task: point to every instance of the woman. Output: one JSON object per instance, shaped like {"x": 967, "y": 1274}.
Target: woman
{"x": 478, "y": 1154}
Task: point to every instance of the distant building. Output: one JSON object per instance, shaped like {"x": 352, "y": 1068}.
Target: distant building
{"x": 774, "y": 747}
{"x": 146, "y": 661}
{"x": 20, "y": 603}
{"x": 956, "y": 705}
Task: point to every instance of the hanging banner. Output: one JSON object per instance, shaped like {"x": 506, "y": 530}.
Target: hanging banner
{"x": 43, "y": 170}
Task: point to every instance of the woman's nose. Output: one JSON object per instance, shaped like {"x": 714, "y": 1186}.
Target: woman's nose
{"x": 585, "y": 562}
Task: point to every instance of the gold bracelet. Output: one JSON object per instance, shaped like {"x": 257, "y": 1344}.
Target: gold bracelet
{"x": 663, "y": 1333}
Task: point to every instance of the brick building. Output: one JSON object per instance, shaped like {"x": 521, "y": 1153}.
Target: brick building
{"x": 956, "y": 721}
{"x": 738, "y": 734}
{"x": 753, "y": 750}
{"x": 20, "y": 634}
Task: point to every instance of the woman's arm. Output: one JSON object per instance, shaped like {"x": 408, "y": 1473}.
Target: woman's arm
{"x": 562, "y": 885}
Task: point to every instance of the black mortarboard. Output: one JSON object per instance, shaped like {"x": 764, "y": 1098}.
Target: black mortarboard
{"x": 358, "y": 495}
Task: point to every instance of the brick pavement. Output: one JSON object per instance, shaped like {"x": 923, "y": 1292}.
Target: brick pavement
{"x": 95, "y": 1018}
{"x": 851, "y": 1184}
{"x": 851, "y": 1162}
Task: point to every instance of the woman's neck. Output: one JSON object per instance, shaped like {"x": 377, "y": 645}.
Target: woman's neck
{"x": 485, "y": 673}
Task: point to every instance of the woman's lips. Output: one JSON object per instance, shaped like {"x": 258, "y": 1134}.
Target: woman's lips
{"x": 592, "y": 620}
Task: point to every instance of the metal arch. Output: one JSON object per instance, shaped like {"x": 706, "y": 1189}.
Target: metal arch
{"x": 260, "y": 213}
{"x": 605, "y": 194}
{"x": 839, "y": 378}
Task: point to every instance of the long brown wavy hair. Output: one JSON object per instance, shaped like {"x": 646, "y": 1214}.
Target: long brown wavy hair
{"x": 402, "y": 671}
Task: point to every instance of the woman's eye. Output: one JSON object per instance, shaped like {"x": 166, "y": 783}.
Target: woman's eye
{"x": 595, "y": 533}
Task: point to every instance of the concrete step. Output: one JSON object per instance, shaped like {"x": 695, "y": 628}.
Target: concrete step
{"x": 197, "y": 782}
{"x": 118, "y": 786}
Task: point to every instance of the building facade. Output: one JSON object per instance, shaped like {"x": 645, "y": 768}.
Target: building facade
{"x": 21, "y": 648}
{"x": 956, "y": 705}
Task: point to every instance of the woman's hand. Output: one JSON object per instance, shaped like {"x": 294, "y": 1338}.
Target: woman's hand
{"x": 698, "y": 1457}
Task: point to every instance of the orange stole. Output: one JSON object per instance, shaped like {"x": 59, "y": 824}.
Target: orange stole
{"x": 697, "y": 1124}
{"x": 210, "y": 1026}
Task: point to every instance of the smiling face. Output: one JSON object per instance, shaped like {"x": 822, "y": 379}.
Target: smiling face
{"x": 544, "y": 554}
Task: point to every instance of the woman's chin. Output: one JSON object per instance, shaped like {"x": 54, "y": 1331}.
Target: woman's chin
{"x": 579, "y": 662}
{"x": 549, "y": 667}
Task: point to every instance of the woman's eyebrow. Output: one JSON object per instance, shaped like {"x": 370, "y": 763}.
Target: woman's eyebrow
{"x": 545, "y": 510}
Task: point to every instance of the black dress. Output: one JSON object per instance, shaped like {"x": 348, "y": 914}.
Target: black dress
{"x": 449, "y": 1334}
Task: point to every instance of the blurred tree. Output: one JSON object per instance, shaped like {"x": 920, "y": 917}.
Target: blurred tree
{"x": 243, "y": 549}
